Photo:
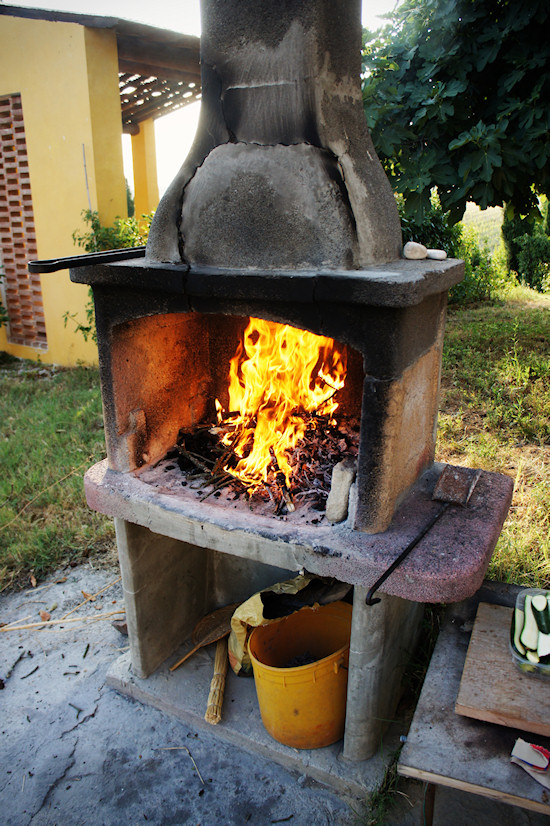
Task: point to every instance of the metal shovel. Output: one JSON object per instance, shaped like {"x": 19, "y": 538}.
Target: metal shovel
{"x": 209, "y": 629}
{"x": 454, "y": 487}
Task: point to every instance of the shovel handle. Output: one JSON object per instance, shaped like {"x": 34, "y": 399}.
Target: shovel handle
{"x": 186, "y": 657}
{"x": 369, "y": 598}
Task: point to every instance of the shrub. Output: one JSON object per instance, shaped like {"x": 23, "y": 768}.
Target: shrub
{"x": 435, "y": 231}
{"x": 125, "y": 232}
{"x": 514, "y": 228}
{"x": 534, "y": 260}
{"x": 483, "y": 275}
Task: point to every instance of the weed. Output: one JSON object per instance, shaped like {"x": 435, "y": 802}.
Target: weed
{"x": 382, "y": 798}
{"x": 495, "y": 414}
{"x": 125, "y": 232}
{"x": 52, "y": 431}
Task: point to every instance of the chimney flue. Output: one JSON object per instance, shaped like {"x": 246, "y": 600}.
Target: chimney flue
{"x": 283, "y": 173}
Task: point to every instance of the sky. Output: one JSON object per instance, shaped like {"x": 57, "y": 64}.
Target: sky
{"x": 174, "y": 133}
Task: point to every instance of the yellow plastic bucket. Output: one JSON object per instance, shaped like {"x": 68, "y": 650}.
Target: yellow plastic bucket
{"x": 303, "y": 706}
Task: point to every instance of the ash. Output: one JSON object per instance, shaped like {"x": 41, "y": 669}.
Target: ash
{"x": 199, "y": 467}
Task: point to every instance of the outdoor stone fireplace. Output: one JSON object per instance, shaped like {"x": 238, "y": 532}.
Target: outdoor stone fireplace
{"x": 282, "y": 212}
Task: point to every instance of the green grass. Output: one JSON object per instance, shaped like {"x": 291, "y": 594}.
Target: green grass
{"x": 495, "y": 414}
{"x": 51, "y": 432}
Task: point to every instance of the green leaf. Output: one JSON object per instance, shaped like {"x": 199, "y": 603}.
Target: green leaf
{"x": 472, "y": 86}
{"x": 486, "y": 171}
{"x": 508, "y": 83}
{"x": 463, "y": 139}
{"x": 455, "y": 87}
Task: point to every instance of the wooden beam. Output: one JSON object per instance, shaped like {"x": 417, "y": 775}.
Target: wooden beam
{"x": 165, "y": 57}
{"x": 138, "y": 114}
{"x": 134, "y": 67}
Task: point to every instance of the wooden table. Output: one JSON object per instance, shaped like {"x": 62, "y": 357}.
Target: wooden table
{"x": 448, "y": 749}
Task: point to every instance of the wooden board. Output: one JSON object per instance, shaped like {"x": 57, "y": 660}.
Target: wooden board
{"x": 461, "y": 753}
{"x": 492, "y": 687}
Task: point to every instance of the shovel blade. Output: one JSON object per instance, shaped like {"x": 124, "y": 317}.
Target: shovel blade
{"x": 456, "y": 484}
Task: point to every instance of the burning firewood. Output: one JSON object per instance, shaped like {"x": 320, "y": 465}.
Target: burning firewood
{"x": 280, "y": 481}
{"x": 279, "y": 442}
{"x": 206, "y": 463}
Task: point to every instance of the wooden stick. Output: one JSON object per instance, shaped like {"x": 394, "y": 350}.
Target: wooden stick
{"x": 9, "y": 625}
{"x": 209, "y": 629}
{"x": 92, "y": 597}
{"x": 198, "y": 461}
{"x": 217, "y": 686}
{"x": 183, "y": 748}
{"x": 46, "y": 623}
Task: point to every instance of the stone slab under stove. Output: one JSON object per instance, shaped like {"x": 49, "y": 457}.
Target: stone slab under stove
{"x": 183, "y": 694}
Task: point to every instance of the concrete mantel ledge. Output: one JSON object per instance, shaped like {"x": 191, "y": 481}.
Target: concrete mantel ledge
{"x": 400, "y": 283}
{"x": 448, "y": 565}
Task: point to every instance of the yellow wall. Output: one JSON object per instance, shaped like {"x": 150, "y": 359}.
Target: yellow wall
{"x": 144, "y": 159}
{"x": 68, "y": 80}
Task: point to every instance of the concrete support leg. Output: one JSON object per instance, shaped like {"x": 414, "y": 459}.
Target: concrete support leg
{"x": 169, "y": 585}
{"x": 165, "y": 584}
{"x": 382, "y": 639}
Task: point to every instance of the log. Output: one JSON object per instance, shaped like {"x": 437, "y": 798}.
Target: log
{"x": 217, "y": 686}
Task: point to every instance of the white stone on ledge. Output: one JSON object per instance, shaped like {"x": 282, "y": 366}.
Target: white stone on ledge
{"x": 414, "y": 251}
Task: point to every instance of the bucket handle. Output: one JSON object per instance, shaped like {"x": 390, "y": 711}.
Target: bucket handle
{"x": 339, "y": 664}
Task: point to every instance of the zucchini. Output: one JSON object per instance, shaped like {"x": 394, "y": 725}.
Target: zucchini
{"x": 543, "y": 645}
{"x": 530, "y": 633}
{"x": 518, "y": 628}
{"x": 539, "y": 604}
{"x": 532, "y": 656}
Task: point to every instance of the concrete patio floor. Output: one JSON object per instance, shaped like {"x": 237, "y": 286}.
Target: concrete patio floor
{"x": 75, "y": 751}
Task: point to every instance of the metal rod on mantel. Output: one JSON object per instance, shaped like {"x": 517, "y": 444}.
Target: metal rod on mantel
{"x": 87, "y": 259}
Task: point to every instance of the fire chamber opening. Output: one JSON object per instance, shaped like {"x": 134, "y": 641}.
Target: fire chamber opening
{"x": 259, "y": 412}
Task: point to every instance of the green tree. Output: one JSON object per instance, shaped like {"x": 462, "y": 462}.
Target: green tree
{"x": 457, "y": 96}
{"x": 130, "y": 203}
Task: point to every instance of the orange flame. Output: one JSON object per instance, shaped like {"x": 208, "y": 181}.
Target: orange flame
{"x": 278, "y": 374}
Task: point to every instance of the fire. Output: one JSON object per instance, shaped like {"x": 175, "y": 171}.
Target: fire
{"x": 278, "y": 378}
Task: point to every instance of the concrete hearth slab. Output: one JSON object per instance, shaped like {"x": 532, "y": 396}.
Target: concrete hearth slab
{"x": 448, "y": 565}
{"x": 75, "y": 751}
{"x": 183, "y": 694}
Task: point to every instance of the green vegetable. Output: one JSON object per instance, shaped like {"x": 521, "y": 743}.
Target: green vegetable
{"x": 532, "y": 656}
{"x": 530, "y": 634}
{"x": 518, "y": 628}
{"x": 543, "y": 645}
{"x": 539, "y": 604}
